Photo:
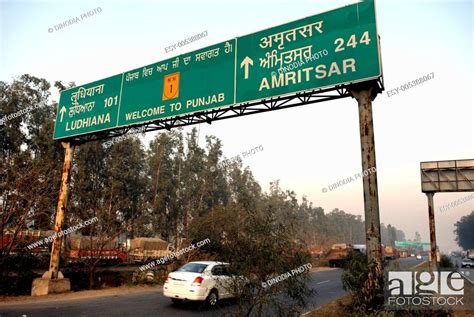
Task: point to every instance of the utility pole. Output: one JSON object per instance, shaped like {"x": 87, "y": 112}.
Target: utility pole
{"x": 434, "y": 257}
{"x": 364, "y": 93}
{"x": 53, "y": 281}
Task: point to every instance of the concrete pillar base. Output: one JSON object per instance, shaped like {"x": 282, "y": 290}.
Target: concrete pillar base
{"x": 44, "y": 286}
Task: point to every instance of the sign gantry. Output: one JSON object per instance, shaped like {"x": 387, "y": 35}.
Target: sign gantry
{"x": 281, "y": 63}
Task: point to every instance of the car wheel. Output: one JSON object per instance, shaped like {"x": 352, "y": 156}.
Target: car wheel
{"x": 176, "y": 301}
{"x": 212, "y": 299}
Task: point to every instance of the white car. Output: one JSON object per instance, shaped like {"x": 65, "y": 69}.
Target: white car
{"x": 207, "y": 281}
{"x": 467, "y": 262}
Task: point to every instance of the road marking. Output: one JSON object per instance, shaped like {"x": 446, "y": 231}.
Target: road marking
{"x": 466, "y": 274}
{"x": 418, "y": 265}
{"x": 322, "y": 282}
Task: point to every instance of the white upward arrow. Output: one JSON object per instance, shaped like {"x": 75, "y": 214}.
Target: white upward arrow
{"x": 245, "y": 63}
{"x": 62, "y": 111}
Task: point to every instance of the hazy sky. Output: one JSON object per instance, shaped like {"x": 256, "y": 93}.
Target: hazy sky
{"x": 308, "y": 147}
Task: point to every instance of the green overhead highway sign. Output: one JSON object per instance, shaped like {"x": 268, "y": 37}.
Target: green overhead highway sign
{"x": 89, "y": 108}
{"x": 191, "y": 82}
{"x": 196, "y": 81}
{"x": 410, "y": 244}
{"x": 335, "y": 47}
{"x": 328, "y": 49}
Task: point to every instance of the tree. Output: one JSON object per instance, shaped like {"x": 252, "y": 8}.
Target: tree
{"x": 30, "y": 162}
{"x": 215, "y": 187}
{"x": 191, "y": 182}
{"x": 163, "y": 163}
{"x": 346, "y": 228}
{"x": 30, "y": 168}
{"x": 400, "y": 235}
{"x": 259, "y": 244}
{"x": 392, "y": 235}
{"x": 92, "y": 195}
{"x": 417, "y": 237}
{"x": 244, "y": 190}
{"x": 127, "y": 183}
{"x": 465, "y": 231}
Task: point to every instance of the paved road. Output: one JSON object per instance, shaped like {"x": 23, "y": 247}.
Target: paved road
{"x": 151, "y": 302}
{"x": 328, "y": 287}
{"x": 409, "y": 262}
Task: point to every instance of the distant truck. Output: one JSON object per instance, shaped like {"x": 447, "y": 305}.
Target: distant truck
{"x": 148, "y": 249}
{"x": 79, "y": 248}
{"x": 31, "y": 240}
{"x": 362, "y": 248}
{"x": 402, "y": 253}
{"x": 338, "y": 253}
{"x": 317, "y": 251}
{"x": 470, "y": 254}
{"x": 390, "y": 253}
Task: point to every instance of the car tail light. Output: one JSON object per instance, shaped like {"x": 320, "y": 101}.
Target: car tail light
{"x": 197, "y": 281}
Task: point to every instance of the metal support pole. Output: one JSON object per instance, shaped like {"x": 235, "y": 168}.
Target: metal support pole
{"x": 364, "y": 94}
{"x": 434, "y": 258}
{"x": 62, "y": 202}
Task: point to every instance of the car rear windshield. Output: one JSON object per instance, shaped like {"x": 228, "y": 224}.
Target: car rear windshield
{"x": 193, "y": 267}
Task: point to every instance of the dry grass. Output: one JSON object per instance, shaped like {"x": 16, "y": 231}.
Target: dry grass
{"x": 334, "y": 309}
